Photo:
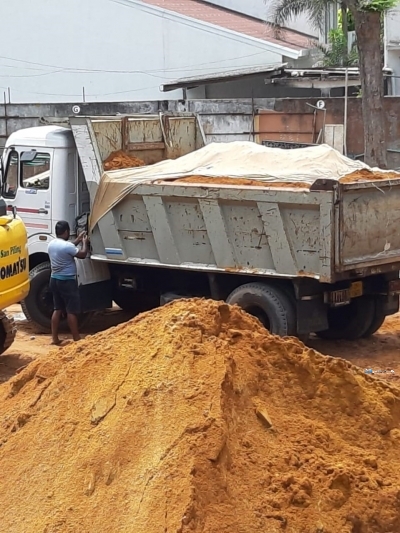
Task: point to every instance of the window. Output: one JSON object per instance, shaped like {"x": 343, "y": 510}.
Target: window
{"x": 11, "y": 180}
{"x": 35, "y": 174}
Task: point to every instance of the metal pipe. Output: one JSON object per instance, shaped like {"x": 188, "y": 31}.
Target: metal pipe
{"x": 345, "y": 112}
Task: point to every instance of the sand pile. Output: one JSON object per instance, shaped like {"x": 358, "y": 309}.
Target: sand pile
{"x": 120, "y": 159}
{"x": 354, "y": 177}
{"x": 369, "y": 175}
{"x": 241, "y": 181}
{"x": 192, "y": 418}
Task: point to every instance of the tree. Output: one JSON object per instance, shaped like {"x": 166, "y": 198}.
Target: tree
{"x": 337, "y": 53}
{"x": 367, "y": 15}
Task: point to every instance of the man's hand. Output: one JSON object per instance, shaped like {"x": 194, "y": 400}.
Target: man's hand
{"x": 80, "y": 238}
{"x": 85, "y": 247}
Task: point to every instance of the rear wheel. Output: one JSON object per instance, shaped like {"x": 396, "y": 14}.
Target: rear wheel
{"x": 270, "y": 305}
{"x": 38, "y": 305}
{"x": 7, "y": 332}
{"x": 351, "y": 321}
{"x": 379, "y": 317}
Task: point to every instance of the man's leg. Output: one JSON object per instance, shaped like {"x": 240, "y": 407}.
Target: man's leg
{"x": 73, "y": 326}
{"x": 55, "y": 324}
{"x": 58, "y": 306}
{"x": 72, "y": 304}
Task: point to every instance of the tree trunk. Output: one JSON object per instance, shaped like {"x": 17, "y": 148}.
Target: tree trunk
{"x": 368, "y": 32}
{"x": 345, "y": 25}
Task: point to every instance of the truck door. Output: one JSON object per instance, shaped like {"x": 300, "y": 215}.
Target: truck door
{"x": 27, "y": 187}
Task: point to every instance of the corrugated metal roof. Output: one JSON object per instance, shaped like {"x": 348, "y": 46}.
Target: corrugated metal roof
{"x": 229, "y": 75}
{"x": 275, "y": 73}
{"x": 234, "y": 21}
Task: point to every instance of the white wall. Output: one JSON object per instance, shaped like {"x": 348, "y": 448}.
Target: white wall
{"x": 262, "y": 9}
{"x": 392, "y": 46}
{"x": 116, "y": 49}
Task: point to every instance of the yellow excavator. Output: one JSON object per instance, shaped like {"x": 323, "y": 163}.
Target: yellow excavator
{"x": 14, "y": 271}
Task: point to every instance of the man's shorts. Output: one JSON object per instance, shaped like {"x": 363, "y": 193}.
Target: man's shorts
{"x": 65, "y": 295}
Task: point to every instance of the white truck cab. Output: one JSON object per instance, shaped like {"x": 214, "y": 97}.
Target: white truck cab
{"x": 42, "y": 179}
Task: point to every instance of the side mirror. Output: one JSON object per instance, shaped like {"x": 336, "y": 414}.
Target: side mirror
{"x": 28, "y": 157}
{"x": 3, "y": 208}
{"x": 2, "y": 175}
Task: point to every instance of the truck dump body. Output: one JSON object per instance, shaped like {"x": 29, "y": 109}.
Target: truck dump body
{"x": 313, "y": 227}
{"x": 369, "y": 221}
{"x": 264, "y": 232}
{"x": 221, "y": 228}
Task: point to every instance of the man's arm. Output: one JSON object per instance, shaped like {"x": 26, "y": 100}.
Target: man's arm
{"x": 79, "y": 238}
{"x": 83, "y": 253}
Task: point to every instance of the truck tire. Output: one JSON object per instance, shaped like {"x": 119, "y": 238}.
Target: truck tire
{"x": 378, "y": 319}
{"x": 136, "y": 301}
{"x": 350, "y": 322}
{"x": 269, "y": 304}
{"x": 38, "y": 305}
{"x": 7, "y": 331}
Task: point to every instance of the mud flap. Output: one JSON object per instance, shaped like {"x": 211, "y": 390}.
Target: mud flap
{"x": 311, "y": 316}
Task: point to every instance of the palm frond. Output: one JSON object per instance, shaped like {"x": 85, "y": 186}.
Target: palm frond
{"x": 285, "y": 10}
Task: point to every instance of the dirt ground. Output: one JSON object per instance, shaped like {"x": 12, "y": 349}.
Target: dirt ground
{"x": 381, "y": 352}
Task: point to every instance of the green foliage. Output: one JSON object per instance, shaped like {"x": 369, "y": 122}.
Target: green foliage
{"x": 379, "y": 6}
{"x": 336, "y": 53}
{"x": 284, "y": 10}
{"x": 350, "y": 20}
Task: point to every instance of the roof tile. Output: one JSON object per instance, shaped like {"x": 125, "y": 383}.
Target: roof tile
{"x": 231, "y": 20}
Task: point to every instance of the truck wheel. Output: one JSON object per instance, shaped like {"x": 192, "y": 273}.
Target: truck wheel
{"x": 136, "y": 301}
{"x": 379, "y": 317}
{"x": 350, "y": 322}
{"x": 38, "y": 305}
{"x": 269, "y": 304}
{"x": 7, "y": 332}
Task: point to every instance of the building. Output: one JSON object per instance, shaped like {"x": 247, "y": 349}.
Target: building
{"x": 392, "y": 46}
{"x": 113, "y": 50}
{"x": 273, "y": 82}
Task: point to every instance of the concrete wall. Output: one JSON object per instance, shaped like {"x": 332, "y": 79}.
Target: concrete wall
{"x": 262, "y": 9}
{"x": 225, "y": 120}
{"x": 392, "y": 46}
{"x": 115, "y": 50}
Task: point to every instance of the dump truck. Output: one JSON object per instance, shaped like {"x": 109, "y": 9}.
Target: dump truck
{"x": 14, "y": 271}
{"x": 322, "y": 258}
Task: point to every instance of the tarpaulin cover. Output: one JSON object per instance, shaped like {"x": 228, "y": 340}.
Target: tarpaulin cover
{"x": 238, "y": 159}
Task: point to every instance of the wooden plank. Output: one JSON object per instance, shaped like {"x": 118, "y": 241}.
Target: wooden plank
{"x": 334, "y": 136}
{"x": 217, "y": 233}
{"x": 161, "y": 229}
{"x": 274, "y": 228}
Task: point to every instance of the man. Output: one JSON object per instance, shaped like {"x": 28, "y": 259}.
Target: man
{"x": 63, "y": 281}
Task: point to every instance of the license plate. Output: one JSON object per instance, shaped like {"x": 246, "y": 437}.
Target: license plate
{"x": 341, "y": 297}
{"x": 356, "y": 289}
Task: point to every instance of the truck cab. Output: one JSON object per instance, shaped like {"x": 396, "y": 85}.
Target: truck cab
{"x": 43, "y": 182}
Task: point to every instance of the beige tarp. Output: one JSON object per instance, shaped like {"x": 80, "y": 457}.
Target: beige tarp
{"x": 235, "y": 159}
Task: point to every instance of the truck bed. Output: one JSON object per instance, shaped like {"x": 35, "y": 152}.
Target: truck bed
{"x": 329, "y": 230}
{"x": 285, "y": 232}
